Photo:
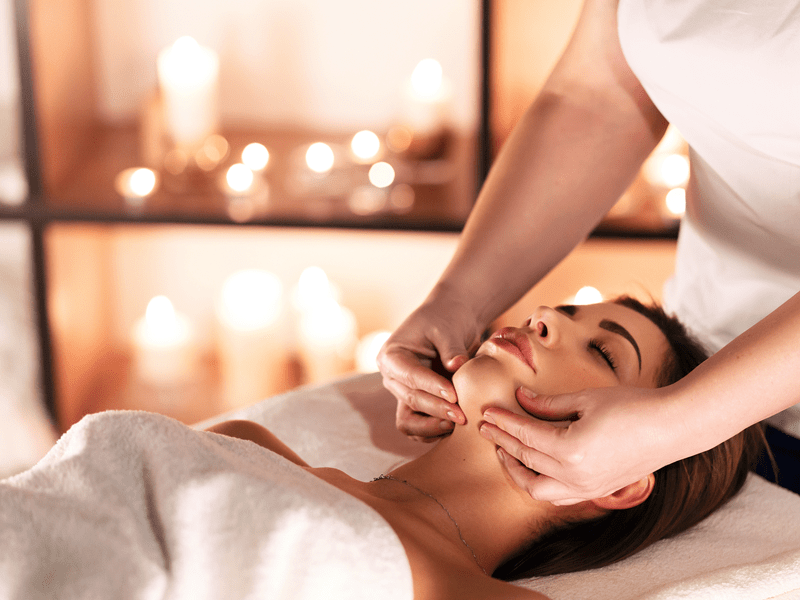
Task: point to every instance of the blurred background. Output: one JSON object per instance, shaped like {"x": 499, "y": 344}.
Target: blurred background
{"x": 206, "y": 203}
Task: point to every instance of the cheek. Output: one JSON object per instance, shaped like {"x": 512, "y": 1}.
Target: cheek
{"x": 567, "y": 374}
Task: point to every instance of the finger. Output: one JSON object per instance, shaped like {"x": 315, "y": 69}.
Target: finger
{"x": 537, "y": 486}
{"x": 420, "y": 427}
{"x": 422, "y": 402}
{"x": 544, "y": 436}
{"x": 529, "y": 457}
{"x": 404, "y": 366}
{"x": 455, "y": 363}
{"x": 550, "y": 408}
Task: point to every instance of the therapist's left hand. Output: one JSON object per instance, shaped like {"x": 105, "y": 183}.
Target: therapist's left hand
{"x": 588, "y": 444}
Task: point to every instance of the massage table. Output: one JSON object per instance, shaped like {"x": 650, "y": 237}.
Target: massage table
{"x": 136, "y": 505}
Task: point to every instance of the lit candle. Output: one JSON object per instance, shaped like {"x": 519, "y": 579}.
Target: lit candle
{"x": 313, "y": 288}
{"x": 320, "y": 158}
{"x": 164, "y": 345}
{"x": 255, "y": 157}
{"x": 327, "y": 341}
{"x": 136, "y": 184}
{"x": 426, "y": 98}
{"x": 365, "y": 146}
{"x": 251, "y": 336}
{"x": 188, "y": 74}
{"x": 239, "y": 180}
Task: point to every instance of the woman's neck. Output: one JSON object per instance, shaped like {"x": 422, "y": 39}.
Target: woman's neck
{"x": 462, "y": 473}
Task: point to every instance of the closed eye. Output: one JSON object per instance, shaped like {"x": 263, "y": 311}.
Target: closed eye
{"x": 600, "y": 348}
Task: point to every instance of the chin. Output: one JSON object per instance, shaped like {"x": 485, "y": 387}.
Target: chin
{"x": 485, "y": 382}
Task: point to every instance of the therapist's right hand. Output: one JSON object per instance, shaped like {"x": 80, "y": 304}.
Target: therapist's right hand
{"x": 427, "y": 405}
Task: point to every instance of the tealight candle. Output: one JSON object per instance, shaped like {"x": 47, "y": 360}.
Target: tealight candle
{"x": 251, "y": 337}
{"x": 255, "y": 157}
{"x": 136, "y": 184}
{"x": 188, "y": 75}
{"x": 164, "y": 345}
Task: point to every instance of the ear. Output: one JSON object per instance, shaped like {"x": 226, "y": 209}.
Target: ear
{"x": 629, "y": 496}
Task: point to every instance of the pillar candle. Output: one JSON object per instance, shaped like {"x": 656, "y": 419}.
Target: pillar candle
{"x": 188, "y": 74}
{"x": 165, "y": 352}
{"x": 251, "y": 337}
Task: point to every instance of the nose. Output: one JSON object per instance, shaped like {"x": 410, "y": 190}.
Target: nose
{"x": 546, "y": 325}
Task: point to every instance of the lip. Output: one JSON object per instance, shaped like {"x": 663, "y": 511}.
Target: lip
{"x": 514, "y": 342}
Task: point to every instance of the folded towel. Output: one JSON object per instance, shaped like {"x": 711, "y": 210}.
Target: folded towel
{"x": 136, "y": 505}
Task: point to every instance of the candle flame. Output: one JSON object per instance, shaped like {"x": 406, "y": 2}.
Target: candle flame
{"x": 319, "y": 157}
{"x": 239, "y": 177}
{"x": 255, "y": 156}
{"x": 381, "y": 175}
{"x": 365, "y": 145}
{"x": 426, "y": 79}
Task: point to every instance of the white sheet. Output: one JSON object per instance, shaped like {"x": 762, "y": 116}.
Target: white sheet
{"x": 138, "y": 506}
{"x": 750, "y": 549}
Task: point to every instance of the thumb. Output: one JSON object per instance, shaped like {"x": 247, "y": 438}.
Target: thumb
{"x": 546, "y": 407}
{"x": 455, "y": 360}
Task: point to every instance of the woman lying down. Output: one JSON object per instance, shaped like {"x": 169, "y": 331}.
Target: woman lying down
{"x": 462, "y": 524}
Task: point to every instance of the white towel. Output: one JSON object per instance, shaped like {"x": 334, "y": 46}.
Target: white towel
{"x": 750, "y": 549}
{"x": 136, "y": 505}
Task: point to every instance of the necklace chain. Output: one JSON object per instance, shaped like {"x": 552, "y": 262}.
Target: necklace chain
{"x": 447, "y": 512}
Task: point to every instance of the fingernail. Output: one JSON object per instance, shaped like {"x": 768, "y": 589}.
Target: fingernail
{"x": 446, "y": 425}
{"x": 446, "y": 395}
{"x": 488, "y": 418}
{"x": 500, "y": 453}
{"x": 484, "y": 431}
{"x": 452, "y": 416}
{"x": 526, "y": 392}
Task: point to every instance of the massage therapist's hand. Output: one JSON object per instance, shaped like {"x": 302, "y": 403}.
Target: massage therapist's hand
{"x": 588, "y": 444}
{"x": 426, "y": 401}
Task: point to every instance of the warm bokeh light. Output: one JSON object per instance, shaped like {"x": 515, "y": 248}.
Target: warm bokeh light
{"x": 399, "y": 139}
{"x": 239, "y": 178}
{"x": 162, "y": 322}
{"x": 426, "y": 80}
{"x": 367, "y": 351}
{"x": 136, "y": 183}
{"x": 251, "y": 299}
{"x": 329, "y": 325}
{"x": 142, "y": 182}
{"x": 319, "y": 157}
{"x": 401, "y": 198}
{"x": 588, "y": 295}
{"x": 214, "y": 150}
{"x": 365, "y": 145}
{"x": 255, "y": 156}
{"x": 381, "y": 174}
{"x": 676, "y": 201}
{"x": 675, "y": 170}
{"x": 313, "y": 287}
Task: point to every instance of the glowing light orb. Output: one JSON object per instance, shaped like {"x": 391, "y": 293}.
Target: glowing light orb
{"x": 676, "y": 201}
{"x": 239, "y": 177}
{"x": 319, "y": 157}
{"x": 381, "y": 174}
{"x": 426, "y": 79}
{"x": 255, "y": 156}
{"x": 365, "y": 145}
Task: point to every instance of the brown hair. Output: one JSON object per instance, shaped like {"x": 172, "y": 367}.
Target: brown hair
{"x": 685, "y": 492}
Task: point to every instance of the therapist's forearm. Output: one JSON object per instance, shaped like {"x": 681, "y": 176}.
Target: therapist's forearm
{"x": 566, "y": 163}
{"x": 750, "y": 379}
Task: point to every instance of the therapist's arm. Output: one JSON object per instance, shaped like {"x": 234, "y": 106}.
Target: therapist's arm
{"x": 568, "y": 160}
{"x": 622, "y": 434}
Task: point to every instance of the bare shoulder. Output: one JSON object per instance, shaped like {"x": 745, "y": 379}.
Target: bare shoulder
{"x": 248, "y": 430}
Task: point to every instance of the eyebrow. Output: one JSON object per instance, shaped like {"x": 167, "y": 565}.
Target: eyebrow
{"x": 615, "y": 327}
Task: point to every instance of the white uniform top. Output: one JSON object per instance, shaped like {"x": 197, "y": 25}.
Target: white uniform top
{"x": 726, "y": 73}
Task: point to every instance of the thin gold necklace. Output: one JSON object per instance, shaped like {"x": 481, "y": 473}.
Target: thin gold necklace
{"x": 447, "y": 512}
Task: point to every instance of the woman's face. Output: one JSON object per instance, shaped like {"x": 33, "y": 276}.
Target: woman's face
{"x": 562, "y": 350}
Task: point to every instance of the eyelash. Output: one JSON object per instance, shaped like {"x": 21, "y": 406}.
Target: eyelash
{"x": 600, "y": 348}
